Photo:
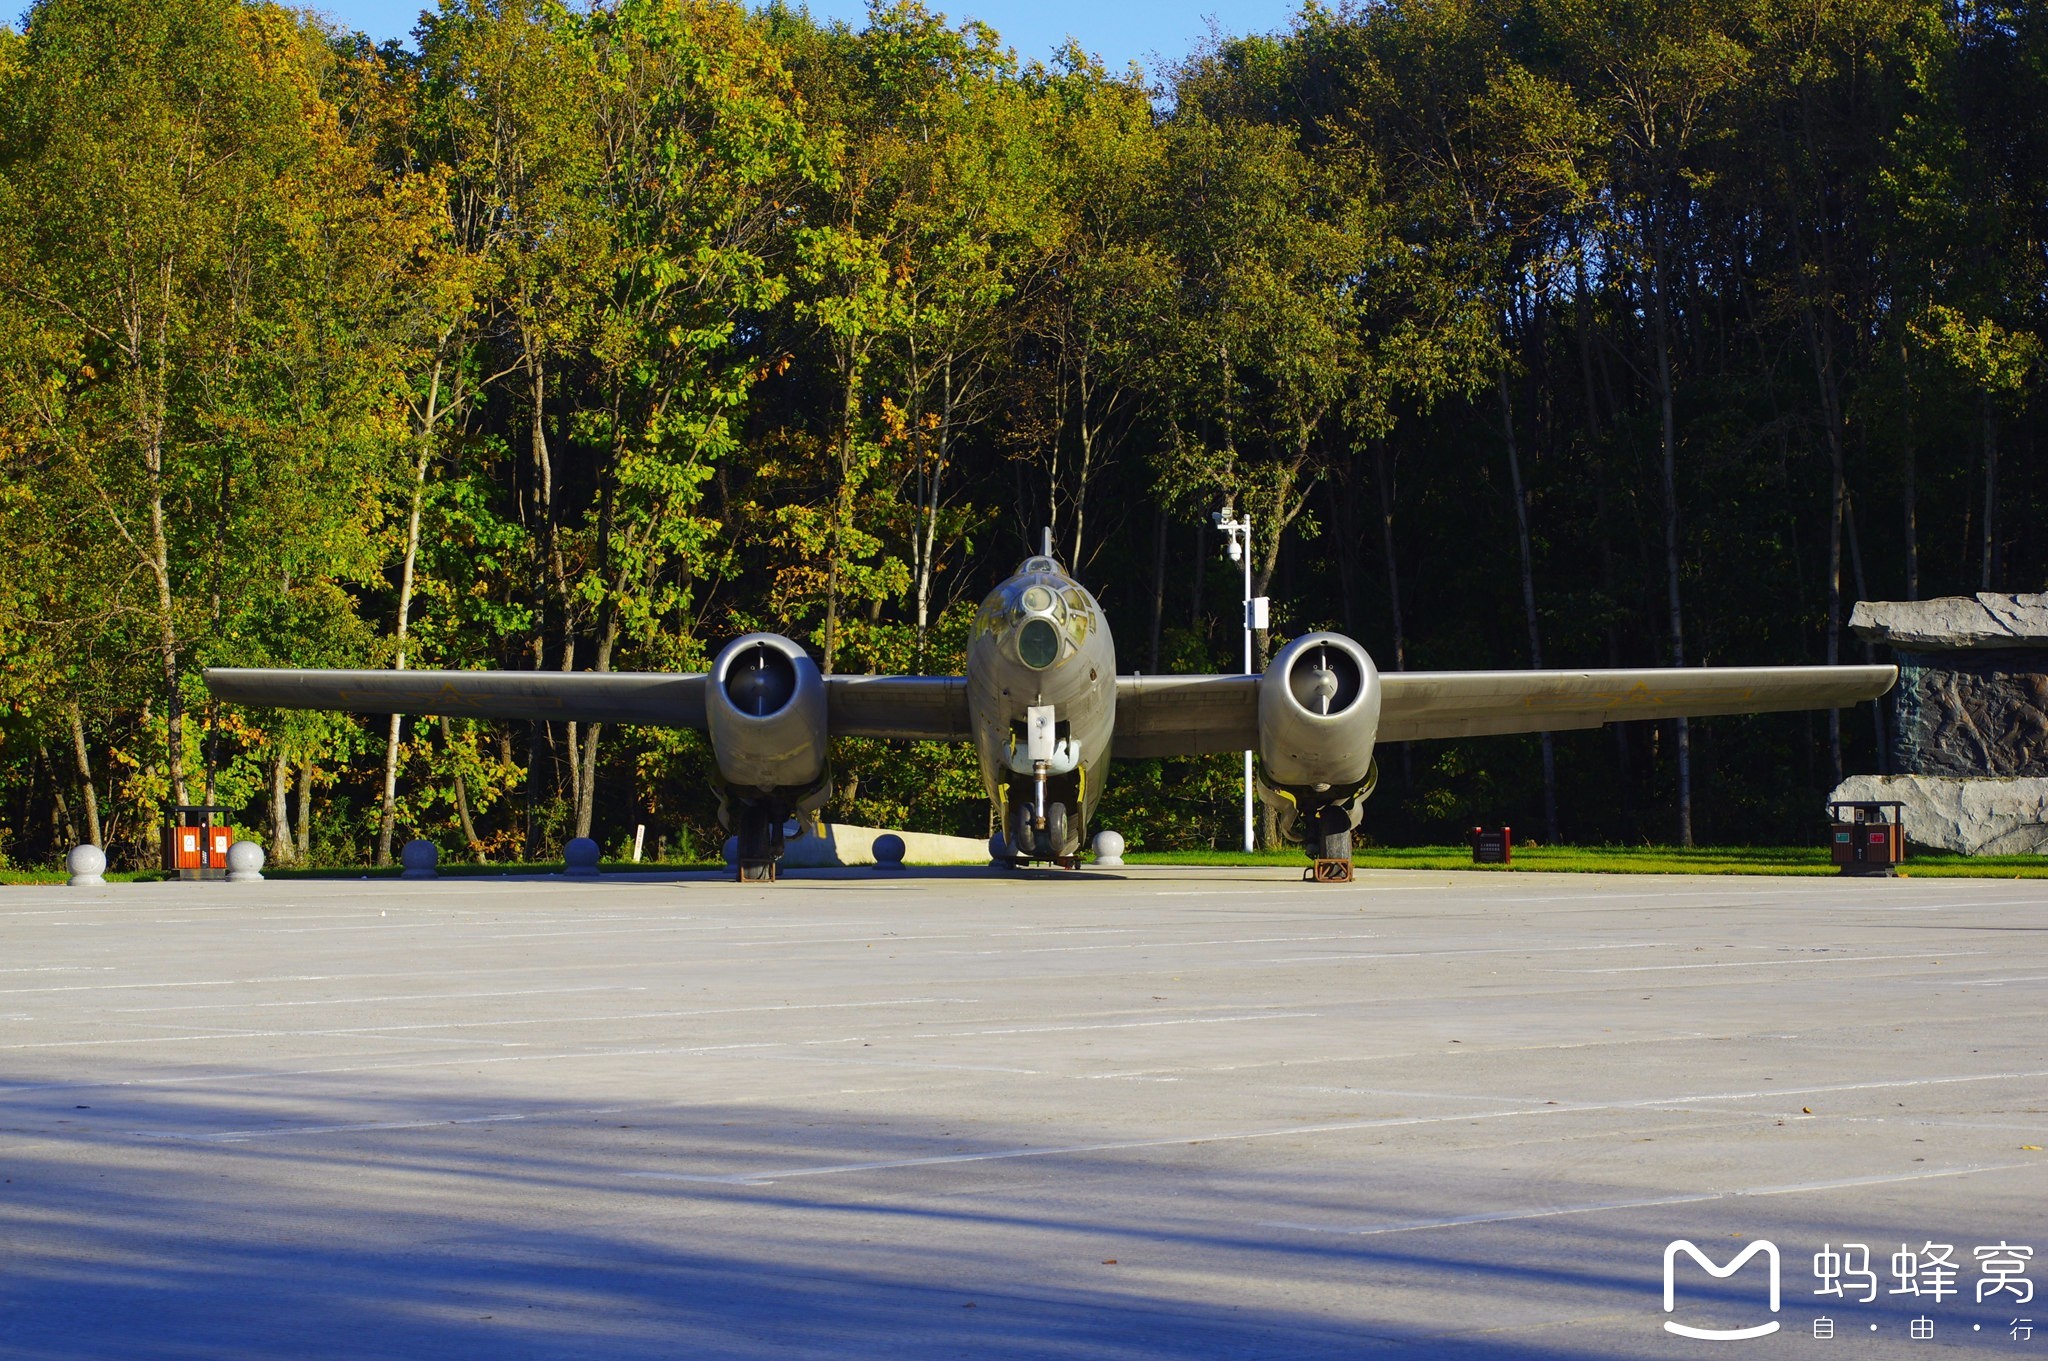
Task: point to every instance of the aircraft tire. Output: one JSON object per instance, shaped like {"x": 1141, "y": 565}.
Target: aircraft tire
{"x": 760, "y": 843}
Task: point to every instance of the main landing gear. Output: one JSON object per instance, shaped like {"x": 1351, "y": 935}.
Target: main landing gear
{"x": 759, "y": 833}
{"x": 1330, "y": 851}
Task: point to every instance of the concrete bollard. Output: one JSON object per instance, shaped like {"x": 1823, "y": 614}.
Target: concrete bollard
{"x": 421, "y": 859}
{"x": 889, "y": 851}
{"x": 1109, "y": 850}
{"x": 245, "y": 863}
{"x": 87, "y": 864}
{"x": 579, "y": 858}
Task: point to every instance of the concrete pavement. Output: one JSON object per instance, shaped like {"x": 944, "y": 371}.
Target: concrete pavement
{"x": 1165, "y": 1112}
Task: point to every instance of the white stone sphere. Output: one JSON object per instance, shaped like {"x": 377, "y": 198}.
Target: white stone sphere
{"x": 1109, "y": 849}
{"x": 889, "y": 850}
{"x": 580, "y": 856}
{"x": 245, "y": 863}
{"x": 87, "y": 864}
{"x": 421, "y": 860}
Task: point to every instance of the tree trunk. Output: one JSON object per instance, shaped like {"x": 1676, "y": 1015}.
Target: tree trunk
{"x": 1869, "y": 651}
{"x": 461, "y": 792}
{"x": 305, "y": 828}
{"x": 842, "y": 507}
{"x": 62, "y": 825}
{"x": 280, "y": 809}
{"x": 1668, "y": 433}
{"x": 1909, "y": 480}
{"x": 1521, "y": 499}
{"x": 388, "y": 818}
{"x": 1158, "y": 588}
{"x": 1821, "y": 349}
{"x": 1383, "y": 479}
{"x": 86, "y": 788}
{"x": 1990, "y": 553}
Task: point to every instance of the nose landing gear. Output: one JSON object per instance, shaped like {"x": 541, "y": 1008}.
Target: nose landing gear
{"x": 1033, "y": 838}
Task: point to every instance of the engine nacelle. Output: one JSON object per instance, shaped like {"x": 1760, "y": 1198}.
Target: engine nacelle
{"x": 764, "y": 704}
{"x": 1319, "y": 715}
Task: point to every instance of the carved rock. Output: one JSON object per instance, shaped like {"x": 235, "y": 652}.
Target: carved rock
{"x": 1980, "y": 713}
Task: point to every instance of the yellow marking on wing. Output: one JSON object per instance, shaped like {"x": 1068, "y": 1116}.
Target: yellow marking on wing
{"x": 1637, "y": 696}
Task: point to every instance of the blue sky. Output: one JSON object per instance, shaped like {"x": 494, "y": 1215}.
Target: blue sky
{"x": 1145, "y": 31}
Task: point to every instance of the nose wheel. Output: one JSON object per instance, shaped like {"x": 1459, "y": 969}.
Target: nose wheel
{"x": 1029, "y": 841}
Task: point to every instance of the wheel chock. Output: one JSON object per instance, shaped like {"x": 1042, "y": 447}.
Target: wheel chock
{"x": 1328, "y": 872}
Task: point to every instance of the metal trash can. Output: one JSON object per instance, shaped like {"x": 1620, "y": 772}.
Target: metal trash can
{"x": 196, "y": 841}
{"x": 1868, "y": 836}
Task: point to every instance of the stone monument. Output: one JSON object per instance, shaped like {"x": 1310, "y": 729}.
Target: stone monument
{"x": 1969, "y": 743}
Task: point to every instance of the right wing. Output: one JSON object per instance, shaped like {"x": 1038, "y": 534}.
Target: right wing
{"x": 904, "y": 707}
{"x": 908, "y": 708}
{"x": 653, "y": 698}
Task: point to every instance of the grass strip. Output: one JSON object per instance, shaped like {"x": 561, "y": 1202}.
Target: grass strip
{"x": 1779, "y": 860}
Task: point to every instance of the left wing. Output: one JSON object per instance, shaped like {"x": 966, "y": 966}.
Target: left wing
{"x": 1185, "y": 715}
{"x": 1200, "y": 715}
{"x": 1425, "y": 704}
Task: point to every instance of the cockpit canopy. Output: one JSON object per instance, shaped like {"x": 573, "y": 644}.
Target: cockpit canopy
{"x": 1038, "y": 617}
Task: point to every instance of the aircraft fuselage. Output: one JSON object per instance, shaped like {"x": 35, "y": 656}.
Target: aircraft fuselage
{"x": 1041, "y": 642}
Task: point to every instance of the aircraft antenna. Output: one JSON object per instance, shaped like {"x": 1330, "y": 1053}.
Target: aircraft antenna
{"x": 1047, "y": 541}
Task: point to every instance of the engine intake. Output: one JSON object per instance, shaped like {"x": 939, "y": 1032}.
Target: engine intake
{"x": 1319, "y": 713}
{"x": 764, "y": 705}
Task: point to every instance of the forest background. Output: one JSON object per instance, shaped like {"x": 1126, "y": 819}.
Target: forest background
{"x": 1529, "y": 333}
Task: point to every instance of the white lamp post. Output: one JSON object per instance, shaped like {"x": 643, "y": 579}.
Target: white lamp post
{"x": 1237, "y": 544}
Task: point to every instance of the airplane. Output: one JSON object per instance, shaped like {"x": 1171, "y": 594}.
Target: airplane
{"x": 1047, "y": 712}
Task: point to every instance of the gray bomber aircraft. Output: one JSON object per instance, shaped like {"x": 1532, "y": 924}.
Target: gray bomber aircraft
{"x": 1046, "y": 710}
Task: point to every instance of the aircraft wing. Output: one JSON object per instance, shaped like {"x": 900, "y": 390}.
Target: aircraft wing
{"x": 1198, "y": 715}
{"x": 1425, "y": 704}
{"x": 910, "y": 708}
{"x": 1185, "y": 715}
{"x": 660, "y": 699}
{"x": 933, "y": 707}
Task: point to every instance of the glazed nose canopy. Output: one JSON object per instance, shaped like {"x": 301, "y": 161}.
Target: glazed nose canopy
{"x": 761, "y": 681}
{"x": 1038, "y": 643}
{"x": 1325, "y": 680}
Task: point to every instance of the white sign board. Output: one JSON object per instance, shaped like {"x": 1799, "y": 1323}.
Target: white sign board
{"x": 1038, "y": 723}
